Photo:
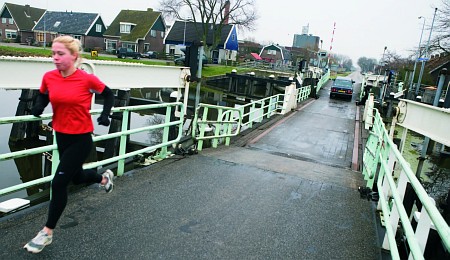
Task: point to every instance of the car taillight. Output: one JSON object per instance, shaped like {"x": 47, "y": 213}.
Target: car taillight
{"x": 333, "y": 89}
{"x": 349, "y": 91}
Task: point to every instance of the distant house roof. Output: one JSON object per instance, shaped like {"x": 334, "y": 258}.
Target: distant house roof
{"x": 142, "y": 22}
{"x": 182, "y": 32}
{"x": 438, "y": 62}
{"x": 66, "y": 22}
{"x": 25, "y": 16}
{"x": 285, "y": 54}
{"x": 256, "y": 56}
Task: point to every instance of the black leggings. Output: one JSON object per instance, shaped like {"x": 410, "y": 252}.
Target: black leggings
{"x": 73, "y": 151}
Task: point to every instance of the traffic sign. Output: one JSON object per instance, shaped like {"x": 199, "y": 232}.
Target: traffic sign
{"x": 423, "y": 59}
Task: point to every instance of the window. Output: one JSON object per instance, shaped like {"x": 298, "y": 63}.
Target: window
{"x": 78, "y": 37}
{"x": 1, "y": 32}
{"x": 162, "y": 34}
{"x": 3, "y": 20}
{"x": 11, "y": 21}
{"x": 40, "y": 37}
{"x": 153, "y": 33}
{"x": 272, "y": 52}
{"x": 146, "y": 47}
{"x": 98, "y": 28}
{"x": 111, "y": 45}
{"x": 57, "y": 23}
{"x": 10, "y": 34}
{"x": 126, "y": 27}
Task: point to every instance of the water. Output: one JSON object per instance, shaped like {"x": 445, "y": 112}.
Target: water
{"x": 435, "y": 175}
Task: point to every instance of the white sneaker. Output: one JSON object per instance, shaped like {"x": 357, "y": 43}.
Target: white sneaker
{"x": 109, "y": 175}
{"x": 39, "y": 242}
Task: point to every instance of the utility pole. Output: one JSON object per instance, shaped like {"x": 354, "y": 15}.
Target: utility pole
{"x": 426, "y": 54}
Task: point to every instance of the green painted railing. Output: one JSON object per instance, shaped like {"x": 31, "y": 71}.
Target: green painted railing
{"x": 230, "y": 121}
{"x": 120, "y": 158}
{"x": 384, "y": 164}
{"x": 322, "y": 81}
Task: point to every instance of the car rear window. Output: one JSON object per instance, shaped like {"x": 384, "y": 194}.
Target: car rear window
{"x": 342, "y": 83}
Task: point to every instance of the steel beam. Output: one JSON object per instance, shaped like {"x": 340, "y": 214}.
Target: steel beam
{"x": 430, "y": 121}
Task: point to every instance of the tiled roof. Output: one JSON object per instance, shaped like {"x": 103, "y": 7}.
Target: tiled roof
{"x": 66, "y": 22}
{"x": 25, "y": 16}
{"x": 143, "y": 20}
{"x": 437, "y": 62}
{"x": 176, "y": 34}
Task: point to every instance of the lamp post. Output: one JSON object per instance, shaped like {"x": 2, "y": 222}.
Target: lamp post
{"x": 426, "y": 54}
{"x": 382, "y": 59}
{"x": 184, "y": 33}
{"x": 411, "y": 86}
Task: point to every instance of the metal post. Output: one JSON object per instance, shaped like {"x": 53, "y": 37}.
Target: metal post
{"x": 427, "y": 139}
{"x": 184, "y": 33}
{"x": 382, "y": 59}
{"x": 441, "y": 82}
{"x": 411, "y": 86}
{"x": 426, "y": 54}
{"x": 199, "y": 76}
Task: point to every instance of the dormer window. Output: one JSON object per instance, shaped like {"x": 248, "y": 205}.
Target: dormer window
{"x": 126, "y": 27}
{"x": 57, "y": 24}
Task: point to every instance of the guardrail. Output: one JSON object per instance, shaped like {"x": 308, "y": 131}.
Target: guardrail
{"x": 120, "y": 158}
{"x": 383, "y": 163}
{"x": 230, "y": 121}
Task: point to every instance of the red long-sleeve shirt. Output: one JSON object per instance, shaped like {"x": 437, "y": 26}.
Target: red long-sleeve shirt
{"x": 71, "y": 99}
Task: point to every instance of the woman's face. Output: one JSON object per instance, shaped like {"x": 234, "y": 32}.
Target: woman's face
{"x": 62, "y": 57}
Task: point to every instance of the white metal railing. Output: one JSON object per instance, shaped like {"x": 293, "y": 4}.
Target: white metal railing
{"x": 384, "y": 164}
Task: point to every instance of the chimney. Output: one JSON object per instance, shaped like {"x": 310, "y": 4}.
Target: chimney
{"x": 226, "y": 12}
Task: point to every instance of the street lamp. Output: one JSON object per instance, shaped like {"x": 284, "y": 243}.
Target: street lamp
{"x": 382, "y": 60}
{"x": 426, "y": 54}
{"x": 184, "y": 31}
{"x": 418, "y": 56}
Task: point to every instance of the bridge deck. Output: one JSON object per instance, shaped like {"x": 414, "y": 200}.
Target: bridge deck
{"x": 288, "y": 194}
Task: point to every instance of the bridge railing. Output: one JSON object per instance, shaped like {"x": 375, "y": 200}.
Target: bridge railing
{"x": 322, "y": 81}
{"x": 383, "y": 163}
{"x": 122, "y": 155}
{"x": 230, "y": 122}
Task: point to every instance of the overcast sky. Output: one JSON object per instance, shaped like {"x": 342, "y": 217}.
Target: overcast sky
{"x": 363, "y": 27}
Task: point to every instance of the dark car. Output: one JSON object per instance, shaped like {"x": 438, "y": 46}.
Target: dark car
{"x": 343, "y": 87}
{"x": 127, "y": 52}
{"x": 150, "y": 55}
{"x": 180, "y": 61}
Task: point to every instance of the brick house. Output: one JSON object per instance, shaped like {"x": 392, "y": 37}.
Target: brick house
{"x": 17, "y": 22}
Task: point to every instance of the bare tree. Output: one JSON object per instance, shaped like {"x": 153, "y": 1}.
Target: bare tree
{"x": 441, "y": 40}
{"x": 212, "y": 15}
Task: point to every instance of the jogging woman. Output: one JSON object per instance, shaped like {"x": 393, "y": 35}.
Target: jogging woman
{"x": 70, "y": 91}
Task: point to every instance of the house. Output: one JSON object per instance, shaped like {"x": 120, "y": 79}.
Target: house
{"x": 276, "y": 53}
{"x": 141, "y": 31}
{"x": 86, "y": 27}
{"x": 184, "y": 33}
{"x": 17, "y": 22}
{"x": 247, "y": 48}
{"x": 436, "y": 64}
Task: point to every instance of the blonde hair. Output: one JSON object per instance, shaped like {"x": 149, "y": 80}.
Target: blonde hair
{"x": 73, "y": 45}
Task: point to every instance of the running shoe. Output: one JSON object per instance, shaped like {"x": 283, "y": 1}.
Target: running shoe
{"x": 39, "y": 242}
{"x": 109, "y": 175}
